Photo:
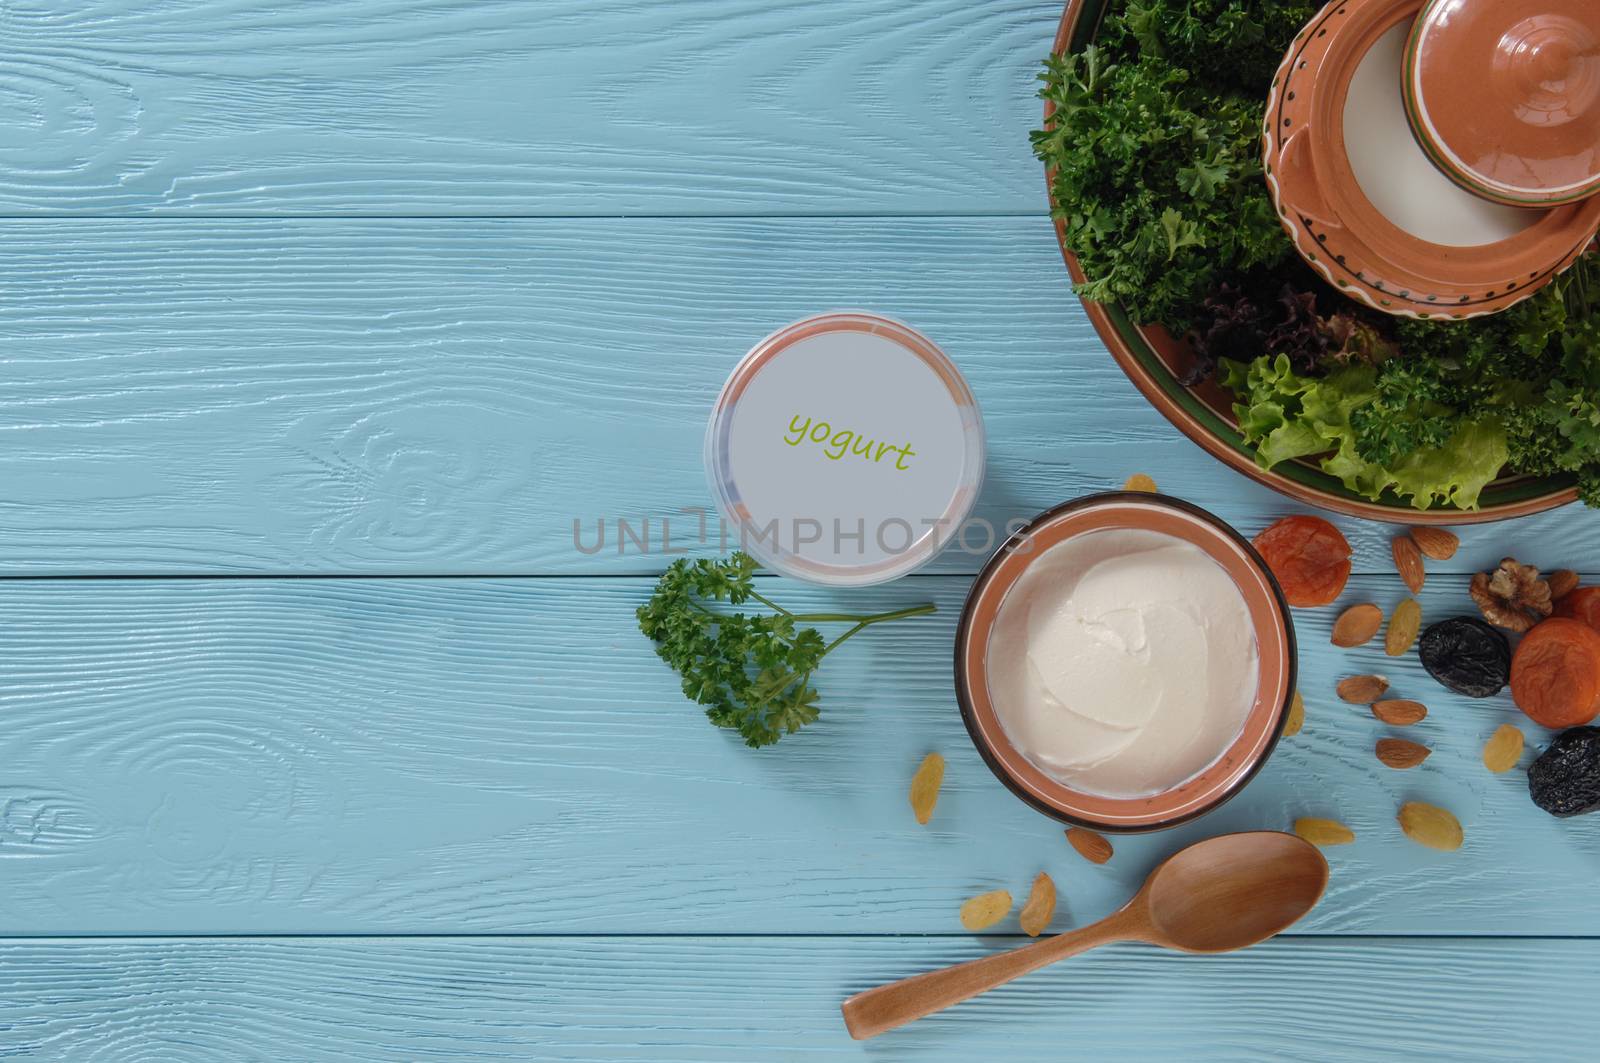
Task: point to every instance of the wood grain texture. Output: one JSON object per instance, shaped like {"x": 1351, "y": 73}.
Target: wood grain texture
{"x": 229, "y": 390}
{"x": 494, "y": 107}
{"x": 441, "y": 756}
{"x": 448, "y": 396}
{"x": 731, "y": 1000}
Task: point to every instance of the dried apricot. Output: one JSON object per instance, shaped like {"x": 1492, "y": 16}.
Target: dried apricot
{"x": 1041, "y": 906}
{"x": 1555, "y": 673}
{"x": 985, "y": 910}
{"x": 1310, "y": 558}
{"x": 1581, "y": 604}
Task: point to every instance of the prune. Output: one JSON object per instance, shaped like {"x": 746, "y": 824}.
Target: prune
{"x": 1565, "y": 780}
{"x": 1466, "y": 655}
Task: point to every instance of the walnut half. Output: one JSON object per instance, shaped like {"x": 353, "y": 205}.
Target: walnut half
{"x": 1512, "y": 596}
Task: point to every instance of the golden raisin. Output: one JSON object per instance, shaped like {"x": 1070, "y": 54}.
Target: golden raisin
{"x": 1503, "y": 749}
{"x": 1321, "y": 832}
{"x": 1431, "y": 826}
{"x": 1297, "y": 716}
{"x": 985, "y": 910}
{"x": 1404, "y": 627}
{"x": 925, "y": 787}
{"x": 1041, "y": 906}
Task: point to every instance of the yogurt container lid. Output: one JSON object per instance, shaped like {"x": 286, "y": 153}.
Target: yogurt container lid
{"x": 845, "y": 449}
{"x": 1505, "y": 96}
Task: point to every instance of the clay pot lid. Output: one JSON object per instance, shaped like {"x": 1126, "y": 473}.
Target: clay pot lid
{"x": 1505, "y": 96}
{"x": 1364, "y": 203}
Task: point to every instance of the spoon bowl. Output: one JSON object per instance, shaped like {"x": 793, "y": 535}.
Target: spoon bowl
{"x": 1217, "y": 895}
{"x": 1233, "y": 891}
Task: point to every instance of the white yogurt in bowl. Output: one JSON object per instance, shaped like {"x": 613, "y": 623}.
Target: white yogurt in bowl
{"x": 1123, "y": 662}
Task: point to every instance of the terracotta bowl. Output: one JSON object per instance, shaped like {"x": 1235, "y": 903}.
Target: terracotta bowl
{"x": 1345, "y": 237}
{"x": 1155, "y": 362}
{"x": 1275, "y": 644}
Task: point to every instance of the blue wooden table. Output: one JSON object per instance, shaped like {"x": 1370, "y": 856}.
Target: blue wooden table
{"x": 321, "y": 322}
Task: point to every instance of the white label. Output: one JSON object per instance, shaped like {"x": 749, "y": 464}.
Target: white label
{"x": 849, "y": 449}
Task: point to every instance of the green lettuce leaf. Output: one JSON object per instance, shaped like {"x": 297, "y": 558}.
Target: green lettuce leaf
{"x": 1288, "y": 416}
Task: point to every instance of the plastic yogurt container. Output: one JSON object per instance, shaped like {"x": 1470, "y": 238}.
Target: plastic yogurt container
{"x": 845, "y": 449}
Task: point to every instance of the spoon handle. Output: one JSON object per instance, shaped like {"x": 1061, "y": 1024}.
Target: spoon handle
{"x": 875, "y": 1011}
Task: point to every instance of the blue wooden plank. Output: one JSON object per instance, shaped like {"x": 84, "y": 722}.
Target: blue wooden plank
{"x": 449, "y": 396}
{"x": 404, "y": 756}
{"x": 493, "y": 107}
{"x": 731, "y": 1000}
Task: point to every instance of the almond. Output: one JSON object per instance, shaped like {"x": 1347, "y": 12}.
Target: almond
{"x": 1563, "y": 581}
{"x": 1436, "y": 543}
{"x": 1408, "y": 560}
{"x": 1503, "y": 749}
{"x": 1362, "y": 689}
{"x": 1431, "y": 826}
{"x": 1399, "y": 713}
{"x": 1357, "y": 624}
{"x": 1090, "y": 845}
{"x": 1041, "y": 906}
{"x": 1296, "y": 719}
{"x": 1322, "y": 832}
{"x": 1401, "y": 753}
{"x": 1404, "y": 626}
{"x": 1140, "y": 482}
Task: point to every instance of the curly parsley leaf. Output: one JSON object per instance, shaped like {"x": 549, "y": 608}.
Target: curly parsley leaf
{"x": 1154, "y": 151}
{"x": 752, "y": 671}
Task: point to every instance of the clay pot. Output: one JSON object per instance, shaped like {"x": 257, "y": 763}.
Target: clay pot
{"x": 1364, "y": 203}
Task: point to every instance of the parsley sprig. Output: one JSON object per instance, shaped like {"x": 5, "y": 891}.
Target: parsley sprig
{"x": 1154, "y": 151}
{"x": 752, "y": 671}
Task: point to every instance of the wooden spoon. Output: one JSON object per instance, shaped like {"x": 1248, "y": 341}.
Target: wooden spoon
{"x": 1215, "y": 896}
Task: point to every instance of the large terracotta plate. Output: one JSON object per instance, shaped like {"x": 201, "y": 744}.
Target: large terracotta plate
{"x": 1155, "y": 361}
